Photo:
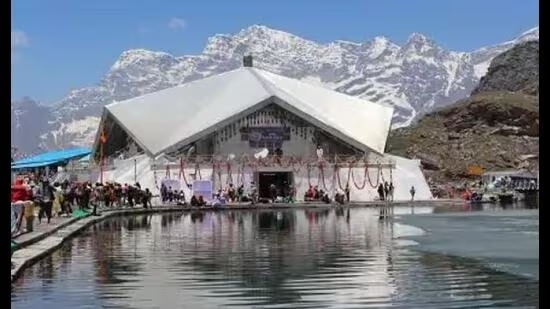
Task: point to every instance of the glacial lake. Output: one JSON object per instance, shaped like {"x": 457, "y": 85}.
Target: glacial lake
{"x": 424, "y": 257}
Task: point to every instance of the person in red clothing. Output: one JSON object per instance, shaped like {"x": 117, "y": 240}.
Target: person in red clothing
{"x": 310, "y": 194}
{"x": 19, "y": 192}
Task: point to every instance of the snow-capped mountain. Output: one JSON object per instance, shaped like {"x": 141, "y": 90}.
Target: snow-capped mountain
{"x": 28, "y": 120}
{"x": 414, "y": 77}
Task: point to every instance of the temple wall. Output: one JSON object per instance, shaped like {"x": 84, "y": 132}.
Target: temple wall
{"x": 330, "y": 185}
{"x": 297, "y": 145}
{"x": 272, "y": 128}
{"x": 406, "y": 173}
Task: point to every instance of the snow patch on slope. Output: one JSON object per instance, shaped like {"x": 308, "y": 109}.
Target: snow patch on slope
{"x": 82, "y": 132}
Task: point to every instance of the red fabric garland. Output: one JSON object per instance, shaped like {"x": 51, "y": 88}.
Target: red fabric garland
{"x": 156, "y": 179}
{"x": 182, "y": 172}
{"x": 216, "y": 167}
{"x": 198, "y": 171}
{"x": 364, "y": 180}
{"x": 377, "y": 177}
{"x": 229, "y": 179}
{"x": 337, "y": 171}
{"x": 309, "y": 175}
{"x": 321, "y": 176}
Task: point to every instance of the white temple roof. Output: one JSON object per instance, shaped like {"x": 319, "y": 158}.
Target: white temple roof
{"x": 177, "y": 116}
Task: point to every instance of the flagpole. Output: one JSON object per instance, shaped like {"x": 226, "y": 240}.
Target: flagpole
{"x": 101, "y": 163}
{"x": 102, "y": 140}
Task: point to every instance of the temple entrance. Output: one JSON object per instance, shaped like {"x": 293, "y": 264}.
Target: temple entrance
{"x": 281, "y": 180}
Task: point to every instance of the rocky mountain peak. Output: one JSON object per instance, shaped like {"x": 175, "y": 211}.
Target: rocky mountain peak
{"x": 514, "y": 70}
{"x": 529, "y": 35}
{"x": 25, "y": 102}
{"x": 262, "y": 31}
{"x": 380, "y": 45}
{"x": 136, "y": 57}
{"x": 382, "y": 41}
{"x": 419, "y": 43}
{"x": 416, "y": 37}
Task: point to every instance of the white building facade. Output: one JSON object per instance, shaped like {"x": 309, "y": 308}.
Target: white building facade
{"x": 213, "y": 128}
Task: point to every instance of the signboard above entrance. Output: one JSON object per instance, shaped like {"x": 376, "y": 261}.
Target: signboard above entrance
{"x": 269, "y": 137}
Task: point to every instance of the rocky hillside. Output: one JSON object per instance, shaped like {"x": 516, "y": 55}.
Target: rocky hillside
{"x": 415, "y": 77}
{"x": 515, "y": 70}
{"x": 497, "y": 127}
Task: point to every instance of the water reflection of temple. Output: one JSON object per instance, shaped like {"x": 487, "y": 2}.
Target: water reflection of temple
{"x": 262, "y": 252}
{"x": 261, "y": 258}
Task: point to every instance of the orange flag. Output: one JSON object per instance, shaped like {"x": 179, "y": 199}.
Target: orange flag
{"x": 102, "y": 137}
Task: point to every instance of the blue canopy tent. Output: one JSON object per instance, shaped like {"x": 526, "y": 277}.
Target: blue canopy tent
{"x": 51, "y": 158}
{"x": 85, "y": 158}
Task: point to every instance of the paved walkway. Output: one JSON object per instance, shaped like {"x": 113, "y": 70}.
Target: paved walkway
{"x": 41, "y": 230}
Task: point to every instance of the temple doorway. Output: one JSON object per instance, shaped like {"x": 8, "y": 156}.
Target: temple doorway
{"x": 281, "y": 180}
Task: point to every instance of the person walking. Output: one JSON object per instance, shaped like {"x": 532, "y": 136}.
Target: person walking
{"x": 95, "y": 199}
{"x": 253, "y": 193}
{"x": 130, "y": 196}
{"x": 292, "y": 193}
{"x": 45, "y": 197}
{"x": 231, "y": 193}
{"x": 381, "y": 191}
{"x": 65, "y": 205}
{"x": 182, "y": 197}
{"x": 146, "y": 198}
{"x": 29, "y": 216}
{"x": 412, "y": 191}
{"x": 240, "y": 193}
{"x": 346, "y": 192}
{"x": 58, "y": 200}
{"x": 125, "y": 195}
{"x": 390, "y": 192}
{"x": 273, "y": 192}
{"x": 163, "y": 193}
{"x": 386, "y": 190}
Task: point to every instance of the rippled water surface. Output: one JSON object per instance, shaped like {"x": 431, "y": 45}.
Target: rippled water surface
{"x": 330, "y": 258}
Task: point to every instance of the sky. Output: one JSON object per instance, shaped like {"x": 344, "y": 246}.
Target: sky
{"x": 61, "y": 45}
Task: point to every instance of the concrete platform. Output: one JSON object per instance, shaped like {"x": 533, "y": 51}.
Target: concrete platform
{"x": 41, "y": 231}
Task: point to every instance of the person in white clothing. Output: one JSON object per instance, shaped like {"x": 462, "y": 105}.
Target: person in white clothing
{"x": 319, "y": 153}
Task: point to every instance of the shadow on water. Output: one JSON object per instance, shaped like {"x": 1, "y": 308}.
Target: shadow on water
{"x": 324, "y": 258}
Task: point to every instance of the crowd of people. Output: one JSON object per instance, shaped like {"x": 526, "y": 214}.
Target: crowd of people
{"x": 315, "y": 194}
{"x": 169, "y": 195}
{"x": 385, "y": 191}
{"x": 229, "y": 194}
{"x": 59, "y": 199}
